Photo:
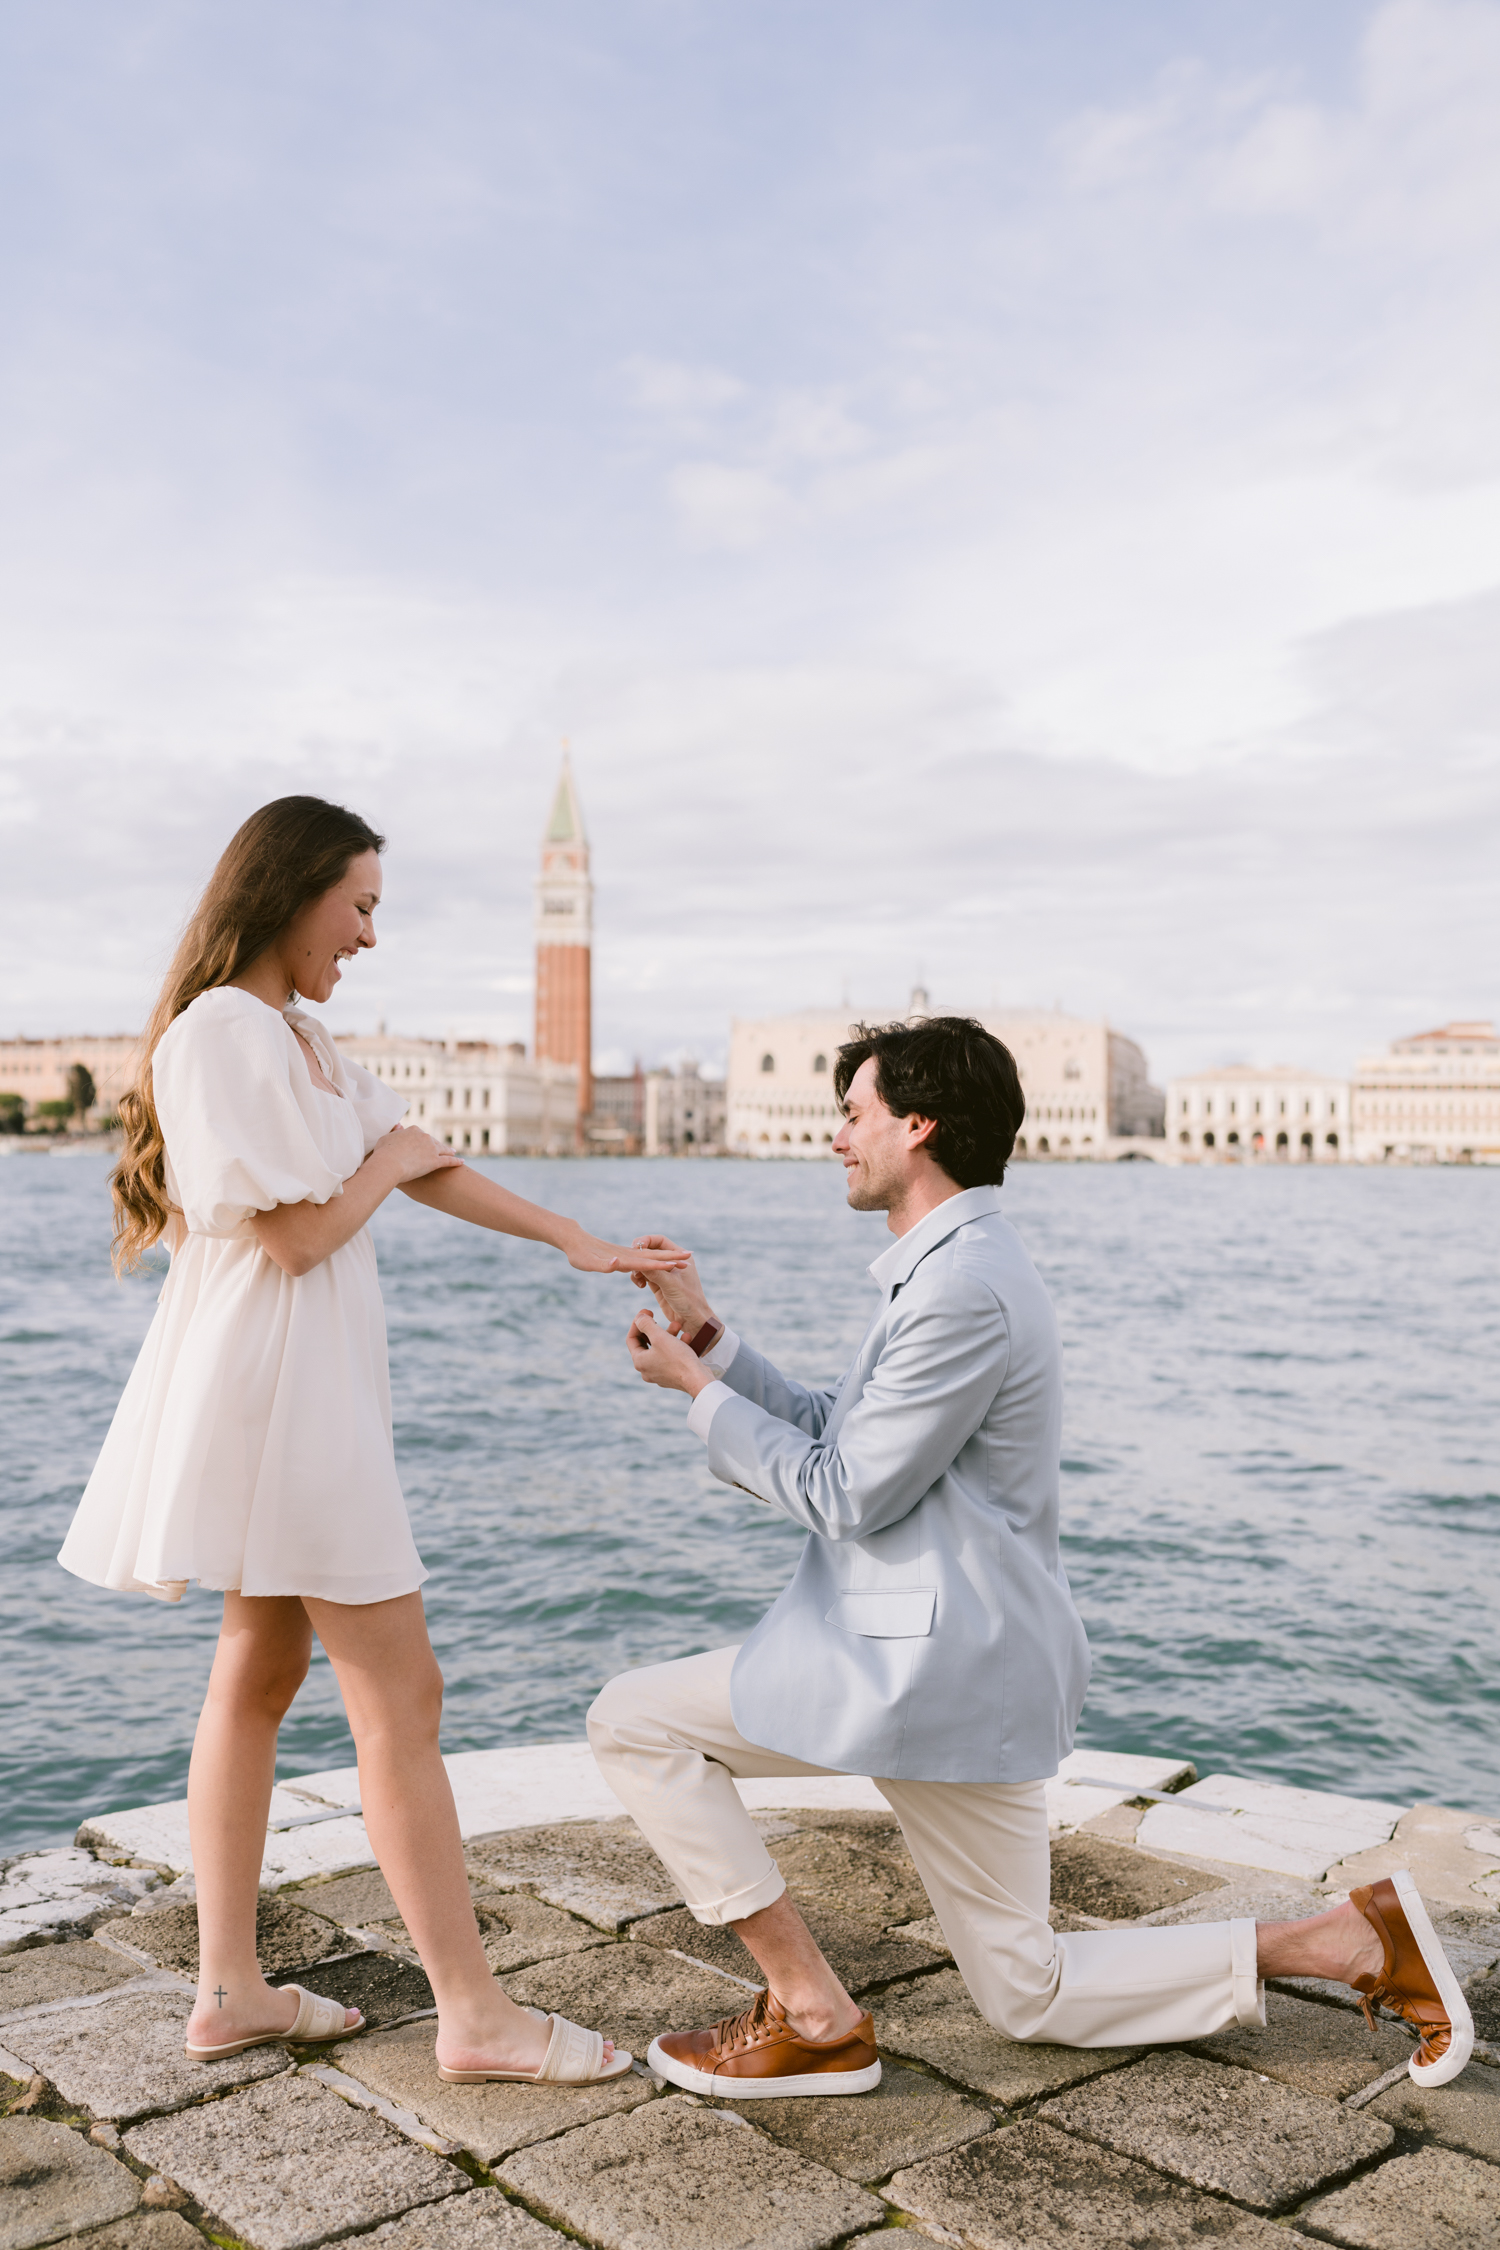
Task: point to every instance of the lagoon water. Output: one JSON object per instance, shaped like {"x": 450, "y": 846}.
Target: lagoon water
{"x": 1281, "y": 1483}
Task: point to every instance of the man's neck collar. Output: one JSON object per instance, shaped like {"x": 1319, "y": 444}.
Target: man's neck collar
{"x": 899, "y": 1263}
{"x": 927, "y": 1195}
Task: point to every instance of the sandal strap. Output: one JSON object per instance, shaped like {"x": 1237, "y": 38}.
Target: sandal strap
{"x": 316, "y": 2018}
{"x": 574, "y": 2055}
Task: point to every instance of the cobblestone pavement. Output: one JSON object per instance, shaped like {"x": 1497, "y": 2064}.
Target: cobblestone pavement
{"x": 1309, "y": 2131}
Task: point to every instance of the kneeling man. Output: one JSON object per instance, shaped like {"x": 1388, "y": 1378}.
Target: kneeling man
{"x": 928, "y": 1637}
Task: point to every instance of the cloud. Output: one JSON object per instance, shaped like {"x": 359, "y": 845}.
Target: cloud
{"x": 1027, "y": 512}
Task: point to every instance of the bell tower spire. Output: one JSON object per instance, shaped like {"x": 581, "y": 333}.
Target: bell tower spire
{"x": 564, "y": 941}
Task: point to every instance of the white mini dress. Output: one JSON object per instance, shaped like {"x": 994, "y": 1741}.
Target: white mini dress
{"x": 252, "y": 1447}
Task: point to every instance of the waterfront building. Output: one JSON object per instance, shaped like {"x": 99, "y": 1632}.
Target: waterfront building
{"x": 685, "y": 1114}
{"x": 1432, "y": 1098}
{"x": 37, "y": 1069}
{"x": 564, "y": 945}
{"x": 473, "y": 1095}
{"x": 617, "y": 1120}
{"x": 1244, "y": 1113}
{"x": 1087, "y": 1086}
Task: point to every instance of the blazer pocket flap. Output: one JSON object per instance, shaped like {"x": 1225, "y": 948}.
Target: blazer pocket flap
{"x": 894, "y": 1614}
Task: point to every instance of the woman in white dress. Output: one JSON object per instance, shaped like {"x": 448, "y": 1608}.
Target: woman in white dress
{"x": 252, "y": 1448}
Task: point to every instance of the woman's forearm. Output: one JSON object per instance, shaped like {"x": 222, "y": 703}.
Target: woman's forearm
{"x": 299, "y": 1236}
{"x": 465, "y": 1194}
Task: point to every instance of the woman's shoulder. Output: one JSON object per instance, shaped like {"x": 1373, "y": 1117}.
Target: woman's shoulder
{"x": 225, "y": 1010}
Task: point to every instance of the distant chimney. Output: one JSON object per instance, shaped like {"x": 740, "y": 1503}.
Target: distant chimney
{"x": 919, "y": 1002}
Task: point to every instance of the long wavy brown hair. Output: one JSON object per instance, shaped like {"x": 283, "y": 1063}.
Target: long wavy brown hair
{"x": 285, "y": 855}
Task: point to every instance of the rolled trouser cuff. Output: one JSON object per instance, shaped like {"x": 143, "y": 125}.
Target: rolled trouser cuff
{"x": 716, "y": 1912}
{"x": 1249, "y": 1989}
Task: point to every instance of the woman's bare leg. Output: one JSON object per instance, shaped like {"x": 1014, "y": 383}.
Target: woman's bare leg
{"x": 260, "y": 1663}
{"x": 393, "y": 1693}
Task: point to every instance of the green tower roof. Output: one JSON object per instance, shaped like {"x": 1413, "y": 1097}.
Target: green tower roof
{"x": 566, "y": 823}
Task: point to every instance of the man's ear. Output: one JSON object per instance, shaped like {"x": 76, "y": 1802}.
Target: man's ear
{"x": 919, "y": 1131}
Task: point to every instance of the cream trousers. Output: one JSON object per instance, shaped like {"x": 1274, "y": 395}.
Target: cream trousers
{"x": 668, "y": 1746}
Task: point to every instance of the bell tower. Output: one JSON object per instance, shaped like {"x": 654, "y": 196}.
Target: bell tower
{"x": 564, "y": 942}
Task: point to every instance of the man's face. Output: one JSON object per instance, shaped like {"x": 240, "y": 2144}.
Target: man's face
{"x": 880, "y": 1152}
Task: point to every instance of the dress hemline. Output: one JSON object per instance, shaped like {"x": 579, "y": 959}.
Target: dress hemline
{"x": 171, "y": 1590}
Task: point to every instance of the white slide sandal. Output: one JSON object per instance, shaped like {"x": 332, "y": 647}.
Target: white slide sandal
{"x": 316, "y": 2020}
{"x": 574, "y": 2057}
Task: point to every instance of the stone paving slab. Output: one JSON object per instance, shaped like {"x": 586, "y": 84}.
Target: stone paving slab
{"x": 1464, "y": 2114}
{"x": 1034, "y": 2187}
{"x": 48, "y": 1895}
{"x": 1298, "y": 1831}
{"x": 1221, "y": 2129}
{"x": 147, "y": 2230}
{"x": 1118, "y": 1823}
{"x": 860, "y": 1953}
{"x": 1094, "y": 1876}
{"x": 1475, "y": 1926}
{"x": 797, "y": 1793}
{"x": 381, "y": 1985}
{"x": 1432, "y": 1840}
{"x": 1483, "y": 1996}
{"x": 70, "y": 1971}
{"x": 878, "y": 1883}
{"x": 879, "y": 1827}
{"x": 498, "y": 1789}
{"x": 1242, "y": 1902}
{"x": 677, "y": 2175}
{"x": 355, "y": 1901}
{"x": 291, "y": 2164}
{"x": 934, "y": 2020}
{"x": 1433, "y": 2199}
{"x": 53, "y": 2182}
{"x": 518, "y": 1929}
{"x": 606, "y": 1872}
{"x": 928, "y": 1931}
{"x": 159, "y": 1833}
{"x": 123, "y": 2058}
{"x": 287, "y": 1938}
{"x": 1327, "y": 2051}
{"x": 1075, "y": 1796}
{"x": 629, "y": 1992}
{"x": 866, "y": 2136}
{"x": 515, "y": 1927}
{"x": 485, "y": 2220}
{"x": 489, "y": 2121}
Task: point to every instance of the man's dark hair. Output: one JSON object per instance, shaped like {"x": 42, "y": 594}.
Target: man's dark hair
{"x": 952, "y": 1069}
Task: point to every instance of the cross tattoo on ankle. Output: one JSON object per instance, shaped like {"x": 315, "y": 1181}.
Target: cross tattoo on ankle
{"x": 219, "y": 1994}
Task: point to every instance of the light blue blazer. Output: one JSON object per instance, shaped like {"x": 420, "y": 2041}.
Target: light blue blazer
{"x": 928, "y": 1633}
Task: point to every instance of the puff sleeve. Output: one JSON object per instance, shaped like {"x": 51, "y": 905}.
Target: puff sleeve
{"x": 232, "y": 1116}
{"x": 377, "y": 1106}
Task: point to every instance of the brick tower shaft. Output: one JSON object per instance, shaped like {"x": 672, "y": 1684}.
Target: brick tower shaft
{"x": 564, "y": 943}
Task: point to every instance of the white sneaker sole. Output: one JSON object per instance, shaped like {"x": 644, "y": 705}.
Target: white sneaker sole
{"x": 1430, "y": 1945}
{"x": 759, "y": 2089}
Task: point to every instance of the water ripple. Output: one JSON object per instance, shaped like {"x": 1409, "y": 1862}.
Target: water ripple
{"x": 1280, "y": 1469}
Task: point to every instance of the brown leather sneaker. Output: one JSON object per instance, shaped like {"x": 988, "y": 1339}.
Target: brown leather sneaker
{"x": 759, "y": 2054}
{"x": 1417, "y": 1981}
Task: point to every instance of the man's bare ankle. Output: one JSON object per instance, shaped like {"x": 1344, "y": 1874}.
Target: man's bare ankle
{"x": 821, "y": 2020}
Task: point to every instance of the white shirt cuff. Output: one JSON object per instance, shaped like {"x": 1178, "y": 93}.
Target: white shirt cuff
{"x": 720, "y": 1358}
{"x": 705, "y": 1406}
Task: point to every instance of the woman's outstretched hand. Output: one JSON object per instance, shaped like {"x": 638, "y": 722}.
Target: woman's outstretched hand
{"x": 677, "y": 1290}
{"x": 587, "y": 1254}
{"x": 416, "y": 1153}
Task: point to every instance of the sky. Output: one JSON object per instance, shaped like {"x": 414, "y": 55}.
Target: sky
{"x": 1000, "y": 497}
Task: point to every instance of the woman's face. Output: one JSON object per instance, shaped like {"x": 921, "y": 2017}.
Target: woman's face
{"x": 331, "y": 929}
